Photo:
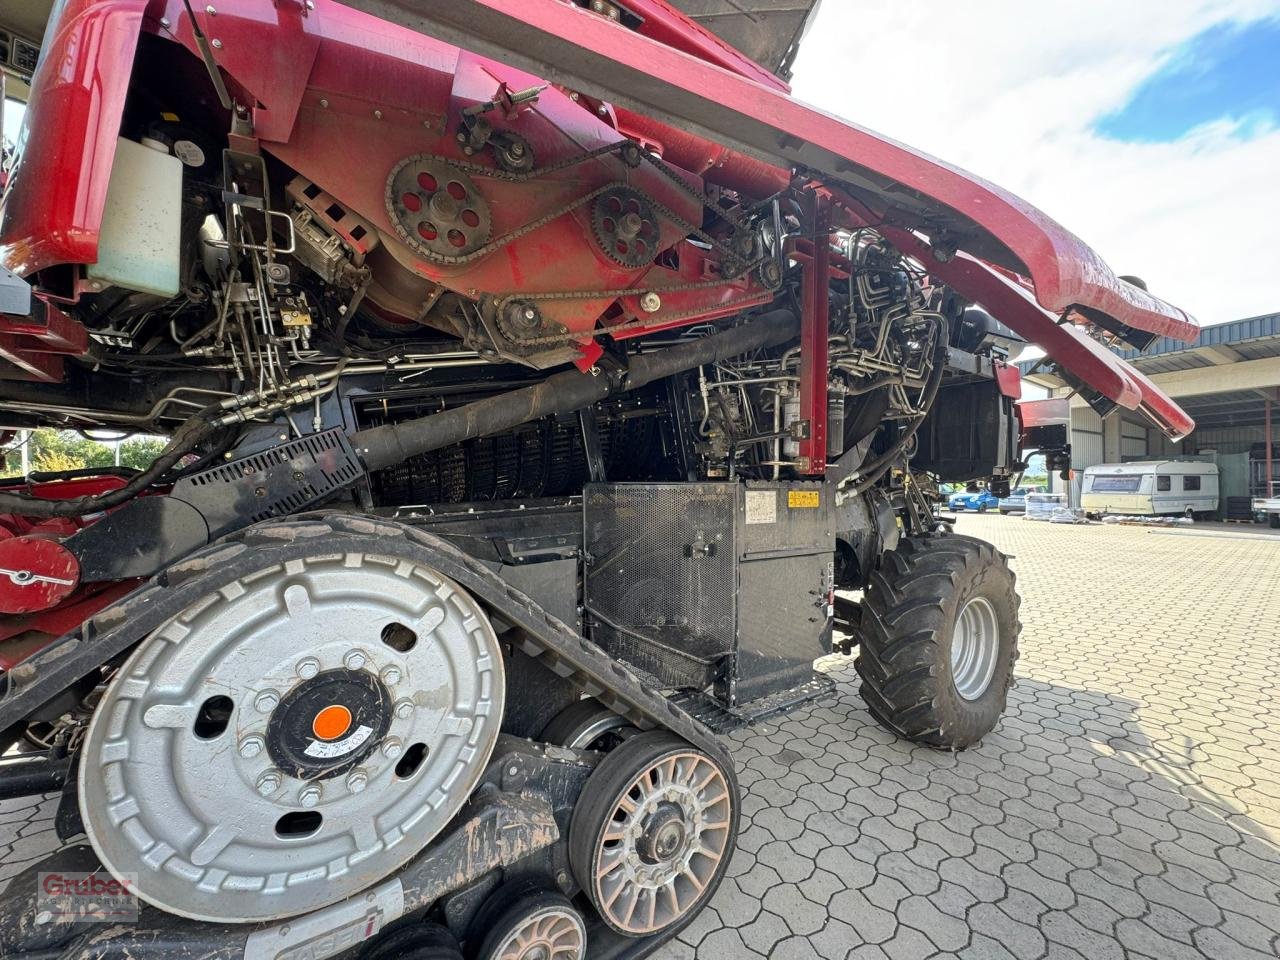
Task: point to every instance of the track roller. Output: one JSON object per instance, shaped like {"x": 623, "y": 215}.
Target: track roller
{"x": 414, "y": 941}
{"x": 536, "y": 926}
{"x": 653, "y": 834}
{"x": 586, "y": 725}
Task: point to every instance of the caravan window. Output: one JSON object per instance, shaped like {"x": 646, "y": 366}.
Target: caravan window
{"x": 1163, "y": 484}
{"x": 1190, "y": 483}
{"x": 1117, "y": 483}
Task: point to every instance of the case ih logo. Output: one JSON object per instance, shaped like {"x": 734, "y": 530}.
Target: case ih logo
{"x": 79, "y": 897}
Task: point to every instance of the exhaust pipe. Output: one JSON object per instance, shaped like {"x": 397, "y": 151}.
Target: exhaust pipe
{"x": 385, "y": 446}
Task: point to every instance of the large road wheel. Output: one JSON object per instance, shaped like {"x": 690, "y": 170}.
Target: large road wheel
{"x": 293, "y": 737}
{"x": 653, "y": 833}
{"x": 939, "y": 640}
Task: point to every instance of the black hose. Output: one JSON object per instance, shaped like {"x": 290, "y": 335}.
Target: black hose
{"x": 384, "y": 446}
{"x": 183, "y": 441}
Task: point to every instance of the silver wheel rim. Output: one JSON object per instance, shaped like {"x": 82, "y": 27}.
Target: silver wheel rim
{"x": 689, "y": 792}
{"x": 975, "y": 648}
{"x": 198, "y": 819}
{"x": 552, "y": 933}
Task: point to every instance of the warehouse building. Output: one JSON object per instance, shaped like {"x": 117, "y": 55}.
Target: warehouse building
{"x": 1228, "y": 380}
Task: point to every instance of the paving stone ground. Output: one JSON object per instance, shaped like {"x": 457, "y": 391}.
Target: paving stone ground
{"x": 1127, "y": 807}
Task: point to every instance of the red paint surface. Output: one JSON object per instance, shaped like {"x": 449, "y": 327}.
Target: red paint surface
{"x": 52, "y": 212}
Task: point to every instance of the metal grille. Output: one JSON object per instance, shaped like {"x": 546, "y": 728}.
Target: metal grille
{"x": 660, "y": 581}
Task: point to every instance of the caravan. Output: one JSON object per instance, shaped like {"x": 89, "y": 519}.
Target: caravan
{"x": 1150, "y": 487}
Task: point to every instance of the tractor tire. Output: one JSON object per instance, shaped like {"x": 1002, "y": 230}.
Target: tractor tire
{"x": 939, "y": 640}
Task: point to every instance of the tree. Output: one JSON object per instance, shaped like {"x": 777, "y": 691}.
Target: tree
{"x": 54, "y": 451}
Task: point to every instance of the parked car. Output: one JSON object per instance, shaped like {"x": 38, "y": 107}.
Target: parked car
{"x": 1016, "y": 501}
{"x": 980, "y": 501}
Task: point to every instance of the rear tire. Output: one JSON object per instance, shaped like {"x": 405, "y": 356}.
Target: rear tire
{"x": 939, "y": 640}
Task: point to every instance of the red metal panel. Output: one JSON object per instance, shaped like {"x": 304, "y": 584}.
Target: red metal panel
{"x": 52, "y": 212}
{"x": 683, "y": 91}
{"x": 815, "y": 305}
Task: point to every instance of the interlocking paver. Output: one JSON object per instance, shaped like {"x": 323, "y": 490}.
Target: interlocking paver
{"x": 1127, "y": 807}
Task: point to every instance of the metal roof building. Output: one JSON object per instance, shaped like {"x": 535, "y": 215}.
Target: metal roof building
{"x": 1228, "y": 380}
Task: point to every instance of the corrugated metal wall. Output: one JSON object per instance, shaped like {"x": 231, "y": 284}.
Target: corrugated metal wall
{"x": 1086, "y": 449}
{"x": 1235, "y": 439}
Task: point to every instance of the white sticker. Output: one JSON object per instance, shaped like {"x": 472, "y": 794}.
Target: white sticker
{"x": 338, "y": 748}
{"x": 189, "y": 153}
{"x": 762, "y": 506}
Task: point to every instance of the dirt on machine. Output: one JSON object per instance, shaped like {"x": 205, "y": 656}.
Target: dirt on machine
{"x": 544, "y": 392}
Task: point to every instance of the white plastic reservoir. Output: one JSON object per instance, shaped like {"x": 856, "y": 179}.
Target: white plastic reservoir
{"x": 139, "y": 245}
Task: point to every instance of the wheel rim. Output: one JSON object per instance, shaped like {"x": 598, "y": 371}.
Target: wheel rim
{"x": 272, "y": 802}
{"x": 662, "y": 844}
{"x": 552, "y": 933}
{"x": 975, "y": 648}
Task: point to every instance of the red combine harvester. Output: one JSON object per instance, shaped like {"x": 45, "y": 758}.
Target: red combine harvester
{"x": 534, "y": 376}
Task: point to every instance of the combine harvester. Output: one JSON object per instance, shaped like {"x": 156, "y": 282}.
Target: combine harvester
{"x": 534, "y": 375}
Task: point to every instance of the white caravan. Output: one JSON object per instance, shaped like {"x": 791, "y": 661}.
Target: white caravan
{"x": 1150, "y": 487}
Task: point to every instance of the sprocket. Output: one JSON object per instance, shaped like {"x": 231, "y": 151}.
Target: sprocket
{"x": 437, "y": 209}
{"x": 626, "y": 227}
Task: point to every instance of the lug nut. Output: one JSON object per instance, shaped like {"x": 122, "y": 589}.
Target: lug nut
{"x": 309, "y": 796}
{"x": 391, "y": 675}
{"x": 266, "y": 701}
{"x": 308, "y": 667}
{"x": 391, "y": 748}
{"x": 357, "y": 781}
{"x": 354, "y": 660}
{"x": 268, "y": 783}
{"x": 251, "y": 746}
{"x": 404, "y": 709}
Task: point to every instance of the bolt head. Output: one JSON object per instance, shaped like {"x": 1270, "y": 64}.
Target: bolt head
{"x": 324, "y": 102}
{"x": 266, "y": 701}
{"x": 164, "y": 22}
{"x": 404, "y": 709}
{"x": 650, "y": 302}
{"x": 268, "y": 783}
{"x": 391, "y": 748}
{"x": 309, "y": 796}
{"x": 355, "y": 660}
{"x": 357, "y": 780}
{"x": 251, "y": 746}
{"x": 391, "y": 676}
{"x": 210, "y": 11}
{"x": 308, "y": 667}
{"x": 377, "y": 114}
{"x": 217, "y": 44}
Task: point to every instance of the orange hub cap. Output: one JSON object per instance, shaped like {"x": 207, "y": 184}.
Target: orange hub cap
{"x": 331, "y": 722}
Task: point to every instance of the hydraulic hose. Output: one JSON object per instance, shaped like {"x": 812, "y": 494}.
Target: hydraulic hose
{"x": 384, "y": 446}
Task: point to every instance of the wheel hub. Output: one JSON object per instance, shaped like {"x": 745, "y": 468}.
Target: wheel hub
{"x": 326, "y": 725}
{"x": 292, "y": 739}
{"x": 975, "y": 648}
{"x": 664, "y": 835}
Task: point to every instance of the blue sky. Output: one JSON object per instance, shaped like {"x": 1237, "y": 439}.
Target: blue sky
{"x": 1149, "y": 128}
{"x": 1230, "y": 72}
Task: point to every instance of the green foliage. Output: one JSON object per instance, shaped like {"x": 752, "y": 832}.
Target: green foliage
{"x": 55, "y": 450}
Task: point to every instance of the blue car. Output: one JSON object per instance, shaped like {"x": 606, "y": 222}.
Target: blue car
{"x": 980, "y": 502}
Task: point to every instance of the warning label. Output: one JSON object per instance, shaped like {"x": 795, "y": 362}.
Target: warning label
{"x": 802, "y": 499}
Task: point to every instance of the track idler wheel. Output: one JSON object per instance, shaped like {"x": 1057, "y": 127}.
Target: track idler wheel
{"x": 414, "y": 941}
{"x": 586, "y": 725}
{"x": 536, "y": 926}
{"x": 294, "y": 736}
{"x": 653, "y": 834}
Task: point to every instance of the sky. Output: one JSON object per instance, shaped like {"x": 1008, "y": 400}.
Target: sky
{"x": 1149, "y": 128}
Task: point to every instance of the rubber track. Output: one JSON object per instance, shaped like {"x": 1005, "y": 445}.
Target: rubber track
{"x": 541, "y": 636}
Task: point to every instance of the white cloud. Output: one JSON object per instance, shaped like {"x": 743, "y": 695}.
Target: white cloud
{"x": 1011, "y": 91}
